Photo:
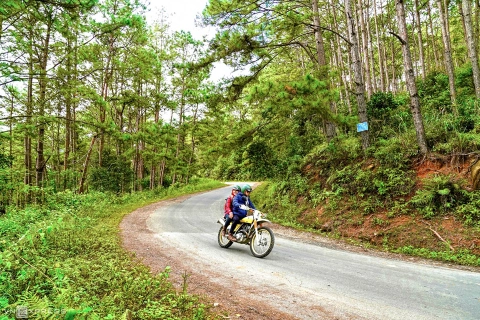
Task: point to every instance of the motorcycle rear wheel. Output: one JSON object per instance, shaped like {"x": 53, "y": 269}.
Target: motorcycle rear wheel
{"x": 262, "y": 245}
{"x": 222, "y": 240}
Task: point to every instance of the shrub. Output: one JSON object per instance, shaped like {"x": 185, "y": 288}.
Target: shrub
{"x": 115, "y": 175}
{"x": 439, "y": 195}
{"x": 258, "y": 161}
{"x": 381, "y": 109}
{"x": 333, "y": 155}
{"x": 395, "y": 152}
{"x": 464, "y": 82}
{"x": 470, "y": 210}
{"x": 434, "y": 93}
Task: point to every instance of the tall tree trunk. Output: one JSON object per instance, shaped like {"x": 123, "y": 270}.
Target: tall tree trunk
{"x": 180, "y": 136}
{"x": 83, "y": 179}
{"x": 410, "y": 78}
{"x": 73, "y": 127}
{"x": 153, "y": 168}
{"x": 394, "y": 73}
{"x": 384, "y": 54}
{"x": 161, "y": 175}
{"x": 75, "y": 137}
{"x": 433, "y": 44}
{"x": 420, "y": 40}
{"x": 340, "y": 64}
{"x": 192, "y": 155}
{"x": 469, "y": 38}
{"x": 10, "y": 127}
{"x": 68, "y": 113}
{"x": 349, "y": 77}
{"x": 140, "y": 145}
{"x": 40, "y": 164}
{"x": 29, "y": 113}
{"x": 379, "y": 50}
{"x": 477, "y": 25}
{"x": 105, "y": 86}
{"x": 358, "y": 73}
{"x": 365, "y": 51}
{"x": 370, "y": 52}
{"x": 56, "y": 146}
{"x": 322, "y": 63}
{"x": 443, "y": 12}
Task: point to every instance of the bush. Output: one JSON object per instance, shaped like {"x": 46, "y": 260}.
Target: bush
{"x": 334, "y": 155}
{"x": 464, "y": 82}
{"x": 258, "y": 161}
{"x": 434, "y": 93}
{"x": 380, "y": 111}
{"x": 439, "y": 195}
{"x": 115, "y": 175}
{"x": 384, "y": 183}
{"x": 395, "y": 152}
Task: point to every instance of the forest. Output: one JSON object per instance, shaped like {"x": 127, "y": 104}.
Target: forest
{"x": 94, "y": 98}
{"x": 361, "y": 117}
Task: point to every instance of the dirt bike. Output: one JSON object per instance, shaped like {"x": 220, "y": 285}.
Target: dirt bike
{"x": 250, "y": 231}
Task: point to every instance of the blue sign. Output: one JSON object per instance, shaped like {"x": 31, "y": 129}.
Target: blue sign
{"x": 363, "y": 126}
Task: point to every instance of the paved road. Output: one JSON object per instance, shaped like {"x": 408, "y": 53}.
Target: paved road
{"x": 309, "y": 280}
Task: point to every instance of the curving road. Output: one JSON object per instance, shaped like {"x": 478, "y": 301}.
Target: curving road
{"x": 312, "y": 281}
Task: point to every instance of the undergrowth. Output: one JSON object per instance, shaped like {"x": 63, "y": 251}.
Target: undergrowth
{"x": 355, "y": 192}
{"x": 64, "y": 260}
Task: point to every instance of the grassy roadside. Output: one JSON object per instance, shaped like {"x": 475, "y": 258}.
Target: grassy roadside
{"x": 442, "y": 238}
{"x": 64, "y": 260}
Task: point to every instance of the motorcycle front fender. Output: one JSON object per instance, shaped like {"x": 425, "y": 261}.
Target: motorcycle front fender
{"x": 263, "y": 221}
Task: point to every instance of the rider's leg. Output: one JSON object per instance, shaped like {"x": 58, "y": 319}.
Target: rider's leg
{"x": 235, "y": 221}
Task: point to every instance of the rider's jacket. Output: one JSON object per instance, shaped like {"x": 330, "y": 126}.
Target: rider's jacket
{"x": 238, "y": 200}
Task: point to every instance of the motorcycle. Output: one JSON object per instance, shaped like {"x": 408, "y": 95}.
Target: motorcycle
{"x": 250, "y": 231}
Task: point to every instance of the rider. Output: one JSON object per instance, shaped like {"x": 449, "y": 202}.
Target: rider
{"x": 228, "y": 208}
{"x": 242, "y": 198}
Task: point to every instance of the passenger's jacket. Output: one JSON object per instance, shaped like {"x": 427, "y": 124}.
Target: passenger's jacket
{"x": 240, "y": 199}
{"x": 228, "y": 205}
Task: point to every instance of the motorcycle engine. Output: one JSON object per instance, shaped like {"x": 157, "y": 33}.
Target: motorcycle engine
{"x": 240, "y": 235}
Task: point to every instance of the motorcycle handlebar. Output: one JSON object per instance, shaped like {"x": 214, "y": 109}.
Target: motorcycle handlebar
{"x": 254, "y": 211}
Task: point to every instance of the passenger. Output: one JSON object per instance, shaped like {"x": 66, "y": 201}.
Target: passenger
{"x": 242, "y": 198}
{"x": 229, "y": 208}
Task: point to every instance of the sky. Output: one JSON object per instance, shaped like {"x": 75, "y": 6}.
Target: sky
{"x": 181, "y": 16}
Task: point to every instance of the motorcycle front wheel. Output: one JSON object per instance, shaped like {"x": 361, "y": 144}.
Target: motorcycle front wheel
{"x": 223, "y": 240}
{"x": 262, "y": 242}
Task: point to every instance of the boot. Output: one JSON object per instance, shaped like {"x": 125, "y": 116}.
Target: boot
{"x": 231, "y": 238}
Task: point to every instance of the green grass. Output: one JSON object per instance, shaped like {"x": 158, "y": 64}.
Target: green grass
{"x": 64, "y": 260}
{"x": 462, "y": 257}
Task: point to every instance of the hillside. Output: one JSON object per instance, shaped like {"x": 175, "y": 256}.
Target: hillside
{"x": 395, "y": 225}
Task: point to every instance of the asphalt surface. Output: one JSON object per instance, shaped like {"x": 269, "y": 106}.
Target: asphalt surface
{"x": 309, "y": 280}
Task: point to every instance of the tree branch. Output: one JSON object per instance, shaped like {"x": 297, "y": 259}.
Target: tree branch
{"x": 398, "y": 37}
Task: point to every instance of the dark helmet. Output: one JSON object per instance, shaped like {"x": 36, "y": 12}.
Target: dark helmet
{"x": 246, "y": 188}
{"x": 237, "y": 187}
